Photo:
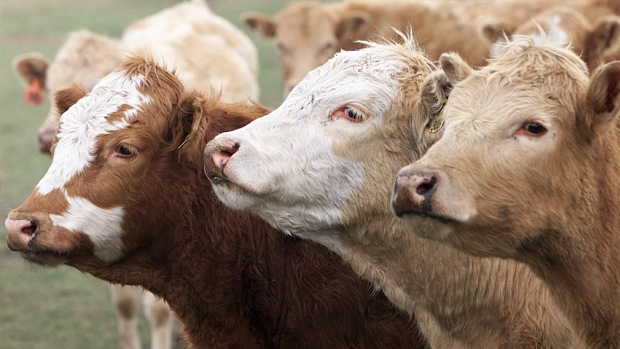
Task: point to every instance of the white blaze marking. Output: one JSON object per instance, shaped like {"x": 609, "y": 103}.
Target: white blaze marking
{"x": 85, "y": 121}
{"x": 80, "y": 127}
{"x": 103, "y": 226}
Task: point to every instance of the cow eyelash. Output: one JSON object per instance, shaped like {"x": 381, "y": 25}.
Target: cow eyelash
{"x": 350, "y": 113}
{"x": 124, "y": 151}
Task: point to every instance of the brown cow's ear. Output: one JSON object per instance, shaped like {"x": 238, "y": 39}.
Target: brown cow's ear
{"x": 66, "y": 97}
{"x": 455, "y": 67}
{"x": 351, "y": 23}
{"x": 605, "y": 35}
{"x": 603, "y": 99}
{"x": 260, "y": 23}
{"x": 30, "y": 66}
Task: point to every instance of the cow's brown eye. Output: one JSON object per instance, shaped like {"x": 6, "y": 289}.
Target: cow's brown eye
{"x": 534, "y": 128}
{"x": 124, "y": 150}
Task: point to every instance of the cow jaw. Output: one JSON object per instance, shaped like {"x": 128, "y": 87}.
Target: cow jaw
{"x": 68, "y": 220}
{"x": 299, "y": 166}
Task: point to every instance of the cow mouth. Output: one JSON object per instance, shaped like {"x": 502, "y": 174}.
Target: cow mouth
{"x": 432, "y": 216}
{"x": 41, "y": 256}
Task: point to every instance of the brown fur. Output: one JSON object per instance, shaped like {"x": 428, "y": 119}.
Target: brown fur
{"x": 233, "y": 280}
{"x": 549, "y": 201}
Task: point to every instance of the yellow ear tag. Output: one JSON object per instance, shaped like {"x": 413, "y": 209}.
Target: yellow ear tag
{"x": 437, "y": 122}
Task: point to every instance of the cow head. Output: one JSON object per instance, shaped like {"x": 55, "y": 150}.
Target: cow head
{"x": 325, "y": 157}
{"x": 307, "y": 34}
{"x": 523, "y": 153}
{"x": 113, "y": 184}
{"x": 83, "y": 59}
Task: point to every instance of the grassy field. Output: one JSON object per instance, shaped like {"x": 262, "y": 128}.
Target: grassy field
{"x": 63, "y": 308}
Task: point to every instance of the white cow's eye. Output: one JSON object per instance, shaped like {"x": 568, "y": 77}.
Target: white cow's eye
{"x": 349, "y": 113}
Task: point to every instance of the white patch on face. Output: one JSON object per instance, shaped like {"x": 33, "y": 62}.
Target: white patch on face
{"x": 287, "y": 165}
{"x": 80, "y": 128}
{"x": 103, "y": 226}
{"x": 85, "y": 121}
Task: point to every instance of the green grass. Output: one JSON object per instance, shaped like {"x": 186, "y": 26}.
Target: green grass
{"x": 62, "y": 308}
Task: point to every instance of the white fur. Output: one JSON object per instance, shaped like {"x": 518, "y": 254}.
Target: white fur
{"x": 283, "y": 157}
{"x": 555, "y": 36}
{"x": 84, "y": 122}
{"x": 103, "y": 226}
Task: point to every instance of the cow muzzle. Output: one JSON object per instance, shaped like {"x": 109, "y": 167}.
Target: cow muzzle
{"x": 217, "y": 154}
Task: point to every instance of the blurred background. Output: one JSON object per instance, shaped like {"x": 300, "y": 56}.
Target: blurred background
{"x": 62, "y": 308}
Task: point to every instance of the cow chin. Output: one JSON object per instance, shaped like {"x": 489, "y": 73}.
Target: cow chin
{"x": 233, "y": 195}
{"x": 429, "y": 227}
{"x": 49, "y": 259}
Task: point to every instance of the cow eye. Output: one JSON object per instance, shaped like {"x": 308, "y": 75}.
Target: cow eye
{"x": 350, "y": 113}
{"x": 124, "y": 151}
{"x": 281, "y": 48}
{"x": 327, "y": 47}
{"x": 534, "y": 128}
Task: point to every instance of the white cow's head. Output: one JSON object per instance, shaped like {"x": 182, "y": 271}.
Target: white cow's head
{"x": 326, "y": 156}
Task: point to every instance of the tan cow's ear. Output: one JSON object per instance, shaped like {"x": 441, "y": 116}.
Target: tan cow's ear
{"x": 603, "y": 99}
{"x": 30, "y": 66}
{"x": 491, "y": 31}
{"x": 351, "y": 24}
{"x": 434, "y": 93}
{"x": 605, "y": 35}
{"x": 260, "y": 23}
{"x": 455, "y": 67}
{"x": 66, "y": 97}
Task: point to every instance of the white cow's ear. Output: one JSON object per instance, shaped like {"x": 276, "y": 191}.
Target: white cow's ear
{"x": 603, "y": 99}
{"x": 66, "y": 97}
{"x": 434, "y": 93}
{"x": 351, "y": 23}
{"x": 259, "y": 23}
{"x": 455, "y": 67}
{"x": 30, "y": 66}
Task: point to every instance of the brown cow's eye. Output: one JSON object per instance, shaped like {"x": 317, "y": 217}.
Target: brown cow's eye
{"x": 123, "y": 151}
{"x": 534, "y": 128}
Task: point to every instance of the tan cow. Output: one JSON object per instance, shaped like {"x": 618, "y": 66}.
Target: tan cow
{"x": 209, "y": 54}
{"x": 529, "y": 169}
{"x": 308, "y": 33}
{"x": 597, "y": 44}
{"x": 321, "y": 166}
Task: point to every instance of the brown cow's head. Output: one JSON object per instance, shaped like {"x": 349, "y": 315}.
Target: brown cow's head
{"x": 307, "y": 34}
{"x": 83, "y": 59}
{"x": 523, "y": 155}
{"x": 122, "y": 153}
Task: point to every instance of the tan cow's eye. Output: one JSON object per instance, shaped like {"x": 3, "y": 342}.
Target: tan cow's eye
{"x": 534, "y": 128}
{"x": 124, "y": 151}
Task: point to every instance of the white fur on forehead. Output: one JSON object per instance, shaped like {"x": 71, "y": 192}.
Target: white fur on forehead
{"x": 85, "y": 121}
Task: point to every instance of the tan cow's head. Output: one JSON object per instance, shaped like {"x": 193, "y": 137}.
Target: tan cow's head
{"x": 526, "y": 143}
{"x": 323, "y": 161}
{"x": 83, "y": 59}
{"x": 120, "y": 152}
{"x": 307, "y": 34}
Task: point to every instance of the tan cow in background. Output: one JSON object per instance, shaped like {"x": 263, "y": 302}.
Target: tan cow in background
{"x": 209, "y": 54}
{"x": 308, "y": 33}
{"x": 529, "y": 169}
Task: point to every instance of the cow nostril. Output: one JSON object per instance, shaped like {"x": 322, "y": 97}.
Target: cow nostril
{"x": 427, "y": 187}
{"x": 30, "y": 230}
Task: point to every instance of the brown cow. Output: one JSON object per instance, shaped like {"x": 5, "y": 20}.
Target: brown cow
{"x": 126, "y": 200}
{"x": 321, "y": 167}
{"x": 529, "y": 169}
